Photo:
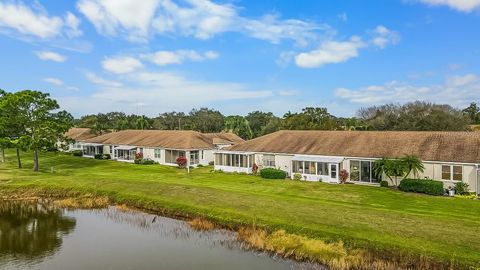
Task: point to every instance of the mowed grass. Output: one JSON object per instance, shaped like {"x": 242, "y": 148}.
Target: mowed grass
{"x": 379, "y": 219}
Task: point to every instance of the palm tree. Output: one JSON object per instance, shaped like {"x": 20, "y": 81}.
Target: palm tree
{"x": 412, "y": 164}
{"x": 379, "y": 167}
{"x": 392, "y": 168}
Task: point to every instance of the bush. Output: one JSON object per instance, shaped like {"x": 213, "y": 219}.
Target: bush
{"x": 461, "y": 188}
{"x": 343, "y": 176}
{"x": 199, "y": 166}
{"x": 181, "y": 162}
{"x": 77, "y": 153}
{"x": 144, "y": 161}
{"x": 430, "y": 187}
{"x": 383, "y": 183}
{"x": 297, "y": 177}
{"x": 271, "y": 173}
{"x": 98, "y": 156}
{"x": 106, "y": 156}
{"x": 211, "y": 163}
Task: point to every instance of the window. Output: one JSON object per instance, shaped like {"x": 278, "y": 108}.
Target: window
{"x": 172, "y": 155}
{"x": 201, "y": 152}
{"x": 157, "y": 153}
{"x": 297, "y": 166}
{"x": 362, "y": 170}
{"x": 310, "y": 167}
{"x": 452, "y": 172}
{"x": 269, "y": 160}
{"x": 333, "y": 171}
{"x": 322, "y": 168}
{"x": 354, "y": 170}
{"x": 194, "y": 157}
{"x": 234, "y": 160}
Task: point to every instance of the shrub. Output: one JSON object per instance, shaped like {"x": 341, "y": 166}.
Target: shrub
{"x": 211, "y": 163}
{"x": 144, "y": 161}
{"x": 271, "y": 173}
{"x": 139, "y": 155}
{"x": 181, "y": 162}
{"x": 461, "y": 188}
{"x": 199, "y": 166}
{"x": 297, "y": 177}
{"x": 98, "y": 156}
{"x": 106, "y": 156}
{"x": 77, "y": 153}
{"x": 343, "y": 176}
{"x": 383, "y": 183}
{"x": 430, "y": 187}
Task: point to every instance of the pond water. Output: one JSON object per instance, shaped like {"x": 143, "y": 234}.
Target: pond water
{"x": 41, "y": 236}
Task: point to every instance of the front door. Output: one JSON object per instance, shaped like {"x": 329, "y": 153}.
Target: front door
{"x": 334, "y": 172}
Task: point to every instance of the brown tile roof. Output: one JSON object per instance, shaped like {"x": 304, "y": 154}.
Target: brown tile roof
{"x": 80, "y": 134}
{"x": 174, "y": 139}
{"x": 429, "y": 146}
{"x": 224, "y": 137}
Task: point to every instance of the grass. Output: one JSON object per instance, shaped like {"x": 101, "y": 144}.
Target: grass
{"x": 388, "y": 224}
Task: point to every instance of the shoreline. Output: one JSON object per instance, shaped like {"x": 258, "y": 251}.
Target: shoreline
{"x": 335, "y": 255}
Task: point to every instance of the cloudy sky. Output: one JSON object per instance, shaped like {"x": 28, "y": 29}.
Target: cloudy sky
{"x": 236, "y": 56}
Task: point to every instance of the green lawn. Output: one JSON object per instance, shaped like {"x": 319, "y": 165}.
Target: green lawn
{"x": 362, "y": 216}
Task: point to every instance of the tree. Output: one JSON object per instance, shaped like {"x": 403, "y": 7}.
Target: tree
{"x": 412, "y": 164}
{"x": 419, "y": 116}
{"x": 473, "y": 113}
{"x": 206, "y": 120}
{"x": 392, "y": 168}
{"x": 262, "y": 123}
{"x": 143, "y": 122}
{"x": 309, "y": 119}
{"x": 12, "y": 127}
{"x": 43, "y": 126}
{"x": 238, "y": 125}
{"x": 171, "y": 121}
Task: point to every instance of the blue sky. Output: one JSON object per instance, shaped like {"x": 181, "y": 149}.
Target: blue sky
{"x": 153, "y": 56}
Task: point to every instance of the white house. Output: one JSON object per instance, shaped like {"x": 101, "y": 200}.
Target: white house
{"x": 162, "y": 146}
{"x": 321, "y": 155}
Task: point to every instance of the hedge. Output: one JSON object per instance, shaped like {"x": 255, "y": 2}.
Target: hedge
{"x": 271, "y": 173}
{"x": 431, "y": 187}
{"x": 144, "y": 161}
{"x": 77, "y": 153}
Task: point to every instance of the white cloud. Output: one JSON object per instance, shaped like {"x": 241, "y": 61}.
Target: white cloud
{"x": 72, "y": 24}
{"x": 384, "y": 36}
{"x": 121, "y": 64}
{"x": 456, "y": 90}
{"x": 51, "y": 56}
{"x": 343, "y": 17}
{"x": 202, "y": 19}
{"x": 458, "y": 81}
{"x": 92, "y": 77}
{"x": 163, "y": 58}
{"x": 272, "y": 29}
{"x": 20, "y": 19}
{"x": 460, "y": 5}
{"x": 119, "y": 17}
{"x": 53, "y": 81}
{"x": 330, "y": 52}
{"x": 334, "y": 52}
{"x": 162, "y": 91}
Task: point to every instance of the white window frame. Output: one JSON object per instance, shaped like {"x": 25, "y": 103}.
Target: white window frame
{"x": 268, "y": 162}
{"x": 157, "y": 153}
{"x": 451, "y": 172}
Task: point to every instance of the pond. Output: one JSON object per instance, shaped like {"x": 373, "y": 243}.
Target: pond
{"x": 37, "y": 235}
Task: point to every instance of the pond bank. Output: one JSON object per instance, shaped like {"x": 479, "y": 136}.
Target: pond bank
{"x": 334, "y": 254}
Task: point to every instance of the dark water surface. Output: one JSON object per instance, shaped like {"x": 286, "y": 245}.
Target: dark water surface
{"x": 40, "y": 236}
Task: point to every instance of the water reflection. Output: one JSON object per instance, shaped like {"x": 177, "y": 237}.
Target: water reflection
{"x": 38, "y": 236}
{"x": 29, "y": 232}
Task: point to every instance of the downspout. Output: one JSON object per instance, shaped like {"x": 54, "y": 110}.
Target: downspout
{"x": 477, "y": 188}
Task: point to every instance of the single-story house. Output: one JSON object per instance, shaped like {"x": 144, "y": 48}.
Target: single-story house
{"x": 321, "y": 155}
{"x": 79, "y": 135}
{"x": 162, "y": 146}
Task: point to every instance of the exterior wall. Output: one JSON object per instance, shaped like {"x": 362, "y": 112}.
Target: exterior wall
{"x": 233, "y": 169}
{"x": 208, "y": 156}
{"x": 284, "y": 162}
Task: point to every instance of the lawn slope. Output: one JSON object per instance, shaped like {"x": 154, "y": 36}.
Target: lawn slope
{"x": 447, "y": 229}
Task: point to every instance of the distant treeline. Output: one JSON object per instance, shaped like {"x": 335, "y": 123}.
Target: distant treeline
{"x": 418, "y": 115}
